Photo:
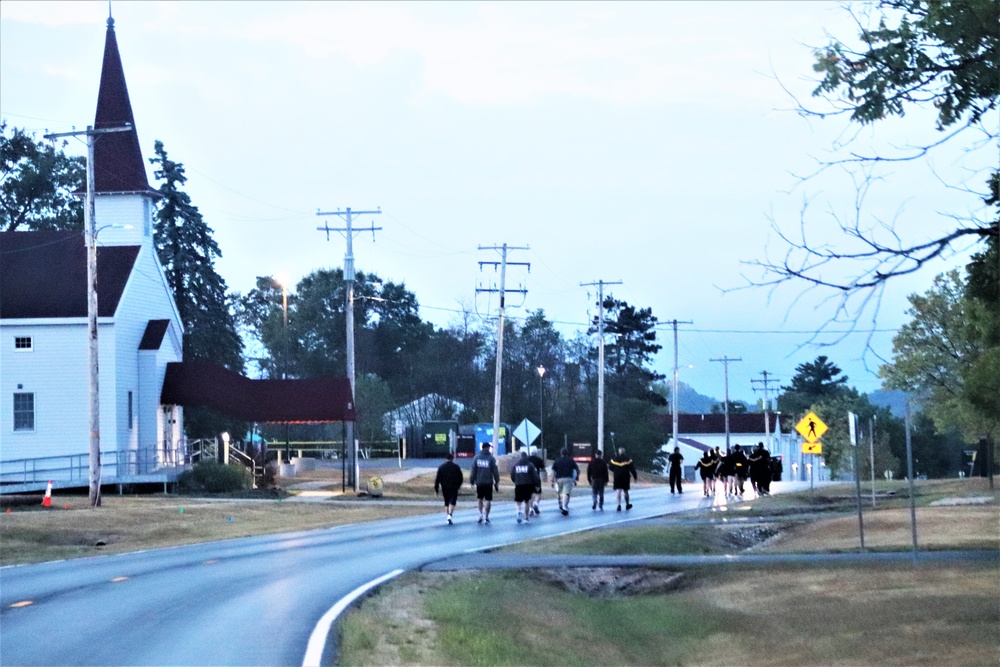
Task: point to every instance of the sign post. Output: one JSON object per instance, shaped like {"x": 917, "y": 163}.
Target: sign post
{"x": 812, "y": 428}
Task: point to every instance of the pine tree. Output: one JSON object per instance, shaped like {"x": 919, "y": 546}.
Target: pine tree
{"x": 188, "y": 252}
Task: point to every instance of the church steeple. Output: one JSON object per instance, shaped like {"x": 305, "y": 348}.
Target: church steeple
{"x": 118, "y": 163}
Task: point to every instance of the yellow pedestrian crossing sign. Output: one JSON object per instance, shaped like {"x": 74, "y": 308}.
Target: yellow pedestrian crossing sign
{"x": 811, "y": 427}
{"x": 812, "y": 448}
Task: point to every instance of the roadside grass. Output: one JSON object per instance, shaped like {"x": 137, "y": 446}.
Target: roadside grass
{"x": 848, "y": 615}
{"x": 796, "y": 614}
{"x": 132, "y": 523}
{"x": 642, "y": 539}
{"x": 512, "y": 618}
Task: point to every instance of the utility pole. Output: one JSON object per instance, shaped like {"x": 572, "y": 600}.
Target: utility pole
{"x": 767, "y": 399}
{"x": 90, "y": 239}
{"x": 503, "y": 263}
{"x": 348, "y": 231}
{"x": 674, "y": 390}
{"x": 600, "y": 357}
{"x": 725, "y": 363}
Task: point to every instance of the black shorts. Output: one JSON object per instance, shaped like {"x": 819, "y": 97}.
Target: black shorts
{"x": 522, "y": 492}
{"x": 484, "y": 491}
{"x": 450, "y": 496}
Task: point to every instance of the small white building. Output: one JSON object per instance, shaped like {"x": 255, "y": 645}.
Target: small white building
{"x": 698, "y": 433}
{"x": 44, "y": 361}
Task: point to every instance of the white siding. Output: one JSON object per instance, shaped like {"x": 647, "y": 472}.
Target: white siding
{"x": 57, "y": 369}
{"x": 113, "y": 212}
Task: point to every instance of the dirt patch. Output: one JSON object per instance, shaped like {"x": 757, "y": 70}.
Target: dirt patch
{"x": 749, "y": 536}
{"x": 605, "y": 582}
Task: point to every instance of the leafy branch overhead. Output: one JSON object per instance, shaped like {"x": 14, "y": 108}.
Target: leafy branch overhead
{"x": 909, "y": 55}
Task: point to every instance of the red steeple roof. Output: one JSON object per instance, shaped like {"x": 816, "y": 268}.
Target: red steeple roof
{"x": 118, "y": 163}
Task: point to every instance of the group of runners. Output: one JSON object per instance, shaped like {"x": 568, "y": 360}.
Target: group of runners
{"x": 734, "y": 468}
{"x": 528, "y": 473}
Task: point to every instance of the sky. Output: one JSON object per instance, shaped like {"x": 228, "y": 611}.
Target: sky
{"x": 656, "y": 144}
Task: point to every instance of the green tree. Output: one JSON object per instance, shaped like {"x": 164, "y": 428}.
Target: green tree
{"x": 37, "y": 182}
{"x": 629, "y": 351}
{"x": 932, "y": 352}
{"x": 188, "y": 252}
{"x": 909, "y": 54}
{"x": 813, "y": 381}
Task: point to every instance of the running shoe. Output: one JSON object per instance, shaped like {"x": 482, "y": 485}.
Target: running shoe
{"x": 487, "y": 520}
{"x": 449, "y": 519}
{"x": 628, "y": 506}
{"x": 565, "y": 512}
{"x": 520, "y": 517}
{"x": 536, "y": 510}
{"x": 480, "y": 519}
{"x": 619, "y": 508}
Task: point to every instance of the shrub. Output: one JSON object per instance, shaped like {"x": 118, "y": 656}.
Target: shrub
{"x": 213, "y": 477}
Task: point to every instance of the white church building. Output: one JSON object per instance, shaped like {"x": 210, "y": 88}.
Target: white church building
{"x": 44, "y": 363}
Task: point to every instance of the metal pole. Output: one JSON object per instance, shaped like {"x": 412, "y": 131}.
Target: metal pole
{"x": 852, "y": 423}
{"x": 349, "y": 320}
{"x": 499, "y": 370}
{"x": 909, "y": 474}
{"x": 284, "y": 356}
{"x": 725, "y": 365}
{"x": 871, "y": 446}
{"x": 541, "y": 406}
{"x": 600, "y": 366}
{"x": 673, "y": 392}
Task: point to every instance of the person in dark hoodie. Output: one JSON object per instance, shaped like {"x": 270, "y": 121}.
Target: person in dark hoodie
{"x": 623, "y": 471}
{"x": 597, "y": 477}
{"x": 448, "y": 481}
{"x": 525, "y": 477}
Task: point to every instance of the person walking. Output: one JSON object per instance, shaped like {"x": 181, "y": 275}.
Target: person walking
{"x": 597, "y": 477}
{"x": 524, "y": 474}
{"x": 717, "y": 459}
{"x": 565, "y": 472}
{"x": 485, "y": 477}
{"x": 760, "y": 469}
{"x": 706, "y": 468}
{"x": 623, "y": 472}
{"x": 676, "y": 470}
{"x": 543, "y": 476}
{"x": 448, "y": 481}
{"x": 727, "y": 471}
{"x": 741, "y": 466}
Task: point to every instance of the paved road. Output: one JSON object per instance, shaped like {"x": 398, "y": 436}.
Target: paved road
{"x": 253, "y": 601}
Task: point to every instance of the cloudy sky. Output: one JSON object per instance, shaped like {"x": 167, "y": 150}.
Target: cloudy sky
{"x": 651, "y": 143}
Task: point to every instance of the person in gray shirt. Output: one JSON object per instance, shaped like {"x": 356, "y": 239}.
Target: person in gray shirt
{"x": 485, "y": 477}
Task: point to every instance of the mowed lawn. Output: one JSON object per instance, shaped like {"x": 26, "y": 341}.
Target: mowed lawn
{"x": 868, "y": 614}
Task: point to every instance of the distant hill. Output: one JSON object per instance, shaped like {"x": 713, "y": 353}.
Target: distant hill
{"x": 691, "y": 402}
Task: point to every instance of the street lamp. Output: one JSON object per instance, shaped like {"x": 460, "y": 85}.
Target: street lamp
{"x": 541, "y": 405}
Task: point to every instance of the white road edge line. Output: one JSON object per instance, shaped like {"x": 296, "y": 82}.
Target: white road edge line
{"x": 317, "y": 640}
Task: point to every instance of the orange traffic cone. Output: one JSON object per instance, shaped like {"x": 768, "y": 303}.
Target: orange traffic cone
{"x": 47, "y": 500}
